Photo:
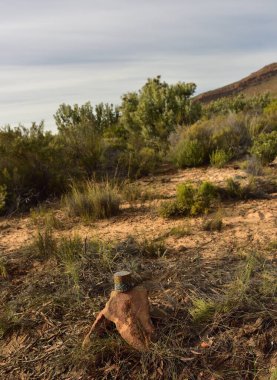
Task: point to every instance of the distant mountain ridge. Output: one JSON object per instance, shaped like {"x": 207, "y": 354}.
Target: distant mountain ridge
{"x": 259, "y": 82}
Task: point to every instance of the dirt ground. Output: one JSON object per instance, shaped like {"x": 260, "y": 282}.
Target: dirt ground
{"x": 245, "y": 222}
{"x": 198, "y": 263}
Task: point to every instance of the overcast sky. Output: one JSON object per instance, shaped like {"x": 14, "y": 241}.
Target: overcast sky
{"x": 64, "y": 51}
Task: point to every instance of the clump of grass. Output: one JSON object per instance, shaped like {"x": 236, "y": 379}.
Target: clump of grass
{"x": 180, "y": 231}
{"x": 268, "y": 286}
{"x": 8, "y": 321}
{"x": 93, "y": 200}
{"x": 202, "y": 310}
{"x": 106, "y": 252}
{"x": 45, "y": 244}
{"x": 133, "y": 193}
{"x": 152, "y": 248}
{"x": 3, "y": 195}
{"x": 142, "y": 248}
{"x": 252, "y": 189}
{"x": 234, "y": 189}
{"x": 272, "y": 245}
{"x": 43, "y": 217}
{"x": 253, "y": 166}
{"x": 219, "y": 158}
{"x": 190, "y": 200}
{"x": 235, "y": 294}
{"x": 273, "y": 375}
{"x": 70, "y": 252}
{"x": 3, "y": 269}
{"x": 214, "y": 223}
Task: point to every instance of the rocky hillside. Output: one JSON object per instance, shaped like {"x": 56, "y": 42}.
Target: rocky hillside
{"x": 261, "y": 81}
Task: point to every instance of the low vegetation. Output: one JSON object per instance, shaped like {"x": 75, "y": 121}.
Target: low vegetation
{"x": 130, "y": 141}
{"x": 193, "y": 200}
{"x": 213, "y": 223}
{"x": 92, "y": 200}
{"x": 213, "y": 322}
{"x": 213, "y": 310}
{"x": 190, "y": 200}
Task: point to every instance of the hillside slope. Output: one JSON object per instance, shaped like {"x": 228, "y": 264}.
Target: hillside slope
{"x": 259, "y": 82}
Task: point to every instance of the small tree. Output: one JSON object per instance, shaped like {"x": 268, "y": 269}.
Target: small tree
{"x": 157, "y": 109}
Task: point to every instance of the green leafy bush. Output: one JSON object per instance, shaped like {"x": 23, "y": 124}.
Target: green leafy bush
{"x": 190, "y": 153}
{"x": 265, "y": 147}
{"x": 32, "y": 166}
{"x": 190, "y": 200}
{"x": 236, "y": 104}
{"x": 168, "y": 209}
{"x": 253, "y": 188}
{"x": 216, "y": 140}
{"x": 157, "y": 109}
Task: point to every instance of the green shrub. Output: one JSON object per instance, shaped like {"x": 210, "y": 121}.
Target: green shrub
{"x": 205, "y": 195}
{"x": 236, "y": 104}
{"x": 230, "y": 134}
{"x": 152, "y": 248}
{"x": 219, "y": 158}
{"x": 190, "y": 153}
{"x": 179, "y": 231}
{"x": 190, "y": 200}
{"x": 233, "y": 189}
{"x": 202, "y": 310}
{"x": 271, "y": 108}
{"x": 273, "y": 375}
{"x": 93, "y": 200}
{"x": 265, "y": 147}
{"x": 216, "y": 140}
{"x": 168, "y": 209}
{"x": 185, "y": 198}
{"x": 32, "y": 166}
{"x": 252, "y": 189}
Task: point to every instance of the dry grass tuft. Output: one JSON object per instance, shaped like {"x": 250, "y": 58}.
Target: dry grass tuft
{"x": 93, "y": 200}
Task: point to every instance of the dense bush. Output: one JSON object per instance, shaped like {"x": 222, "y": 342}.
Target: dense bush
{"x": 190, "y": 200}
{"x": 236, "y": 104}
{"x": 131, "y": 140}
{"x": 32, "y": 166}
{"x": 219, "y": 158}
{"x": 228, "y": 136}
{"x": 156, "y": 110}
{"x": 265, "y": 147}
{"x": 190, "y": 153}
